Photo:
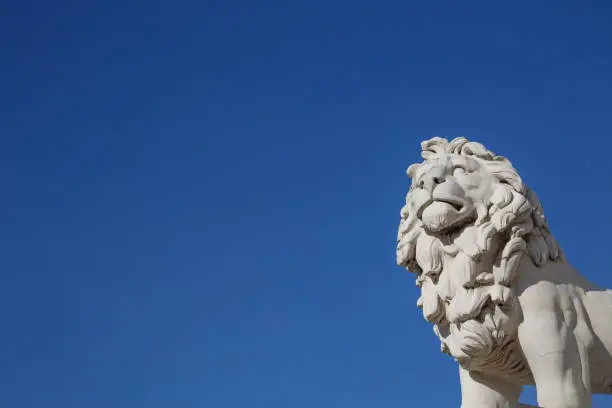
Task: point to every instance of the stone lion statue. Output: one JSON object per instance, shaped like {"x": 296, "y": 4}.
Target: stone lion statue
{"x": 494, "y": 282}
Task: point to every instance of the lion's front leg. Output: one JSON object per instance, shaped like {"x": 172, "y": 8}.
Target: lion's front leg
{"x": 557, "y": 360}
{"x": 482, "y": 391}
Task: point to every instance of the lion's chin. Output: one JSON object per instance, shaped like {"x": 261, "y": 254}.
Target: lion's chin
{"x": 441, "y": 217}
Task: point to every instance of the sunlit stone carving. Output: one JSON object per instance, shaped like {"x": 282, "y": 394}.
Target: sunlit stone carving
{"x": 504, "y": 302}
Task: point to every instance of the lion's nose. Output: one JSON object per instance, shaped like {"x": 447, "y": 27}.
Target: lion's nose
{"x": 431, "y": 180}
{"x": 437, "y": 180}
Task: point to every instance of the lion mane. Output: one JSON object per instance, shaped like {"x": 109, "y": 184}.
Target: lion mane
{"x": 467, "y": 277}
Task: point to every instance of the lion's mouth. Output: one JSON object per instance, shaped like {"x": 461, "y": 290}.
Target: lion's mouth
{"x": 457, "y": 205}
{"x": 449, "y": 233}
{"x": 444, "y": 216}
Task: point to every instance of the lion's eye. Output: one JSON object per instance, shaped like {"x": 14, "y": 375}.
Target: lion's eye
{"x": 458, "y": 171}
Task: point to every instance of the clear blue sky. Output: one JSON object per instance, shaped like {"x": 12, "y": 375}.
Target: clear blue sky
{"x": 200, "y": 198}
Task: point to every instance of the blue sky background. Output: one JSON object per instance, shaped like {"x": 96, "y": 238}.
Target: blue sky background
{"x": 200, "y": 198}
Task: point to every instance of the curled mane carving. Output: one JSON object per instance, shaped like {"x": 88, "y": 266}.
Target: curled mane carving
{"x": 466, "y": 262}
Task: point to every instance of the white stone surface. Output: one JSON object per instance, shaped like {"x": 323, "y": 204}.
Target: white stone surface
{"x": 503, "y": 300}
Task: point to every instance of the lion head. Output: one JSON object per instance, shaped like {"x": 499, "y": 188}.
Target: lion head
{"x": 467, "y": 223}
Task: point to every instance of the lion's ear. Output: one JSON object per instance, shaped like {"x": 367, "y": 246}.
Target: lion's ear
{"x": 412, "y": 170}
